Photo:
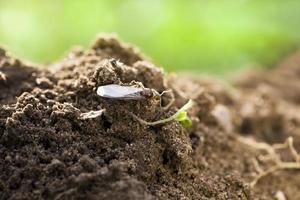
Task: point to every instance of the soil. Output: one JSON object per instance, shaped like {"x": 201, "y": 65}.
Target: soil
{"x": 49, "y": 151}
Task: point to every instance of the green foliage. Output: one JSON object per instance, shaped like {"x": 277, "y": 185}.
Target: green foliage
{"x": 181, "y": 115}
{"x": 214, "y": 36}
{"x": 187, "y": 123}
{"x": 184, "y": 119}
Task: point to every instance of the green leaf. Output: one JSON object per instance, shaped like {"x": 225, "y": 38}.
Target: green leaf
{"x": 186, "y": 123}
{"x": 181, "y": 116}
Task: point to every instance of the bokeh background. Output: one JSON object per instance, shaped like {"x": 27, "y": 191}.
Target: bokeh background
{"x": 206, "y": 36}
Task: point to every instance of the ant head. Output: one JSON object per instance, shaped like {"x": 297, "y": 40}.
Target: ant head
{"x": 148, "y": 93}
{"x": 115, "y": 62}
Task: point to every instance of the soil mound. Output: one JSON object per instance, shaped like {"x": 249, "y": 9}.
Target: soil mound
{"x": 53, "y": 146}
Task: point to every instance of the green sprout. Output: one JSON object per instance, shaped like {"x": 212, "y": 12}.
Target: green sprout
{"x": 180, "y": 116}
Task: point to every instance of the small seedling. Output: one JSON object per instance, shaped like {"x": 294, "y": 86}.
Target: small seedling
{"x": 180, "y": 115}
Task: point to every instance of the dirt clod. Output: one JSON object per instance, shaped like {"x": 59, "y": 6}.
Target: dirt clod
{"x": 60, "y": 140}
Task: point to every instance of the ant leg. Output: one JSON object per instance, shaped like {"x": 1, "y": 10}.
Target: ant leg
{"x": 137, "y": 83}
{"x": 170, "y": 102}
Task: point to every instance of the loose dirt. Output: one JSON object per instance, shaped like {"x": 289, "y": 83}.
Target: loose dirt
{"x": 49, "y": 151}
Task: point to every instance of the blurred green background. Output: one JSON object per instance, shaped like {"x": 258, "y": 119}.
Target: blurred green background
{"x": 208, "y": 36}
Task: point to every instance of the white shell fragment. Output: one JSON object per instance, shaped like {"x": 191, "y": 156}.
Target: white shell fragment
{"x": 2, "y": 76}
{"x": 92, "y": 114}
{"x": 223, "y": 117}
{"x": 115, "y": 91}
{"x": 280, "y": 195}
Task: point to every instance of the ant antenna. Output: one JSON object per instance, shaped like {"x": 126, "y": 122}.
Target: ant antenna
{"x": 115, "y": 62}
{"x": 171, "y": 101}
{"x": 166, "y": 91}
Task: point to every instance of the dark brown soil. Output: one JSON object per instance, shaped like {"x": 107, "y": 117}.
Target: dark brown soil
{"x": 48, "y": 151}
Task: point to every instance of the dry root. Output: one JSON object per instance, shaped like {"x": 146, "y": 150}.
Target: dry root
{"x": 273, "y": 156}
